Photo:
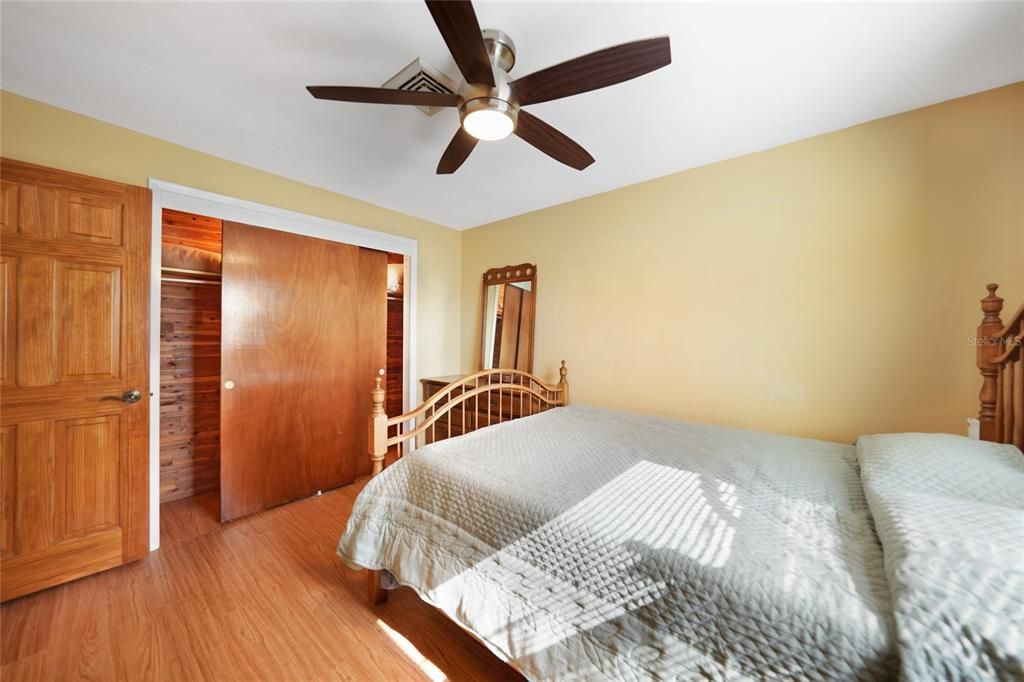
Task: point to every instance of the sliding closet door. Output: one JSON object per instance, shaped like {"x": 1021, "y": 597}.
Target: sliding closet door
{"x": 303, "y": 332}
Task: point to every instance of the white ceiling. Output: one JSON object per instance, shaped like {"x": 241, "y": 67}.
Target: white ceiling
{"x": 228, "y": 79}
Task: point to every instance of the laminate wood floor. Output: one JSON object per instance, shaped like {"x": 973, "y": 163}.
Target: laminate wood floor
{"x": 263, "y": 598}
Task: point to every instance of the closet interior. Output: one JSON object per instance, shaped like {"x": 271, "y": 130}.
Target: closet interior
{"x": 396, "y": 325}
{"x": 190, "y": 281}
{"x": 191, "y": 349}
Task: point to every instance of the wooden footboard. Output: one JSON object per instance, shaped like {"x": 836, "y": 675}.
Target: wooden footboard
{"x": 1001, "y": 362}
{"x": 473, "y": 402}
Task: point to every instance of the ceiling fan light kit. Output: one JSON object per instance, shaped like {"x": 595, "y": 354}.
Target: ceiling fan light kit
{"x": 489, "y": 112}
{"x": 489, "y": 118}
{"x": 489, "y": 102}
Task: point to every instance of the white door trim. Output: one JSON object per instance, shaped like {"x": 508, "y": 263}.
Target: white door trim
{"x": 182, "y": 198}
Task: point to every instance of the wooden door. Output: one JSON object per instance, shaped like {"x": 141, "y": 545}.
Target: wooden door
{"x": 75, "y": 330}
{"x": 303, "y": 333}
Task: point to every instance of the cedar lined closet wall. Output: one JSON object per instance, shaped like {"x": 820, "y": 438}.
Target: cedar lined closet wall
{"x": 396, "y": 324}
{"x": 189, "y": 363}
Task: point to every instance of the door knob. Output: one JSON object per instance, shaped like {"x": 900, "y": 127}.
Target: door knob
{"x": 132, "y": 396}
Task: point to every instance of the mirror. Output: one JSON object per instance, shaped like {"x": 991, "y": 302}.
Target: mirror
{"x": 509, "y": 305}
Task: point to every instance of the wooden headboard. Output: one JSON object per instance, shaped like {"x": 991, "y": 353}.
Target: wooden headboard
{"x": 1001, "y": 363}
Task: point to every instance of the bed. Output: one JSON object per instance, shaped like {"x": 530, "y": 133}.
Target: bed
{"x": 582, "y": 543}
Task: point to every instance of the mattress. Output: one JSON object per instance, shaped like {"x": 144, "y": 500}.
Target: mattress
{"x": 583, "y": 543}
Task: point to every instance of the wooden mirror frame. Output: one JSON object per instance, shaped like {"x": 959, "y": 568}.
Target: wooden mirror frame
{"x": 524, "y": 272}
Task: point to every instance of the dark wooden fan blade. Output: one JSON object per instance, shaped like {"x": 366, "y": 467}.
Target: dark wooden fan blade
{"x": 343, "y": 93}
{"x": 553, "y": 143}
{"x": 457, "y": 23}
{"x": 593, "y": 71}
{"x": 457, "y": 152}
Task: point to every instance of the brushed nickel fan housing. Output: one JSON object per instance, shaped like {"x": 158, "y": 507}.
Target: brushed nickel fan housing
{"x": 500, "y": 48}
{"x": 482, "y": 101}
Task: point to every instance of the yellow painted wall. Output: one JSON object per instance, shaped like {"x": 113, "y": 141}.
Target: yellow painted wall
{"x": 824, "y": 288}
{"x": 38, "y": 133}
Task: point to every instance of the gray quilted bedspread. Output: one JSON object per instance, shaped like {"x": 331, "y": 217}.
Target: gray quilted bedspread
{"x": 590, "y": 544}
{"x": 950, "y": 515}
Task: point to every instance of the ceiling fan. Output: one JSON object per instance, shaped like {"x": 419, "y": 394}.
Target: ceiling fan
{"x": 490, "y": 102}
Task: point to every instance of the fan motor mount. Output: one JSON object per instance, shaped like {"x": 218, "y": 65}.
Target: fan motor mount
{"x": 500, "y": 48}
{"x": 502, "y": 89}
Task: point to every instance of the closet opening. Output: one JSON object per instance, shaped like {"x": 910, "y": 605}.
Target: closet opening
{"x": 192, "y": 356}
{"x": 190, "y": 306}
{"x": 394, "y": 371}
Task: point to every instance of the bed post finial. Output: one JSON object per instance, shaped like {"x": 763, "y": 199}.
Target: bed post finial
{"x": 378, "y": 430}
{"x": 564, "y": 383}
{"x": 992, "y": 305}
{"x": 988, "y": 350}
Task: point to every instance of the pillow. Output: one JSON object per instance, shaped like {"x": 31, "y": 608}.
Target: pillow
{"x": 949, "y": 512}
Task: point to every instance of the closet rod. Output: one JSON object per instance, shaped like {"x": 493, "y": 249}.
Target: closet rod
{"x": 187, "y": 271}
{"x": 183, "y": 280}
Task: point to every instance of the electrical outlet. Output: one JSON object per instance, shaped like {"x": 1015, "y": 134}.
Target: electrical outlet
{"x": 973, "y": 428}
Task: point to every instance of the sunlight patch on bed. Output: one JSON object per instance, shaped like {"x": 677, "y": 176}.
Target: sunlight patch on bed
{"x": 412, "y": 653}
{"x": 644, "y": 520}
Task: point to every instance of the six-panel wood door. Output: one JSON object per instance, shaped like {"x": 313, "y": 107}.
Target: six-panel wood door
{"x": 74, "y": 330}
{"x": 303, "y": 330}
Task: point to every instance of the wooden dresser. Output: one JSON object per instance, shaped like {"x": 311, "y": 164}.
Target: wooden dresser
{"x": 432, "y": 385}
